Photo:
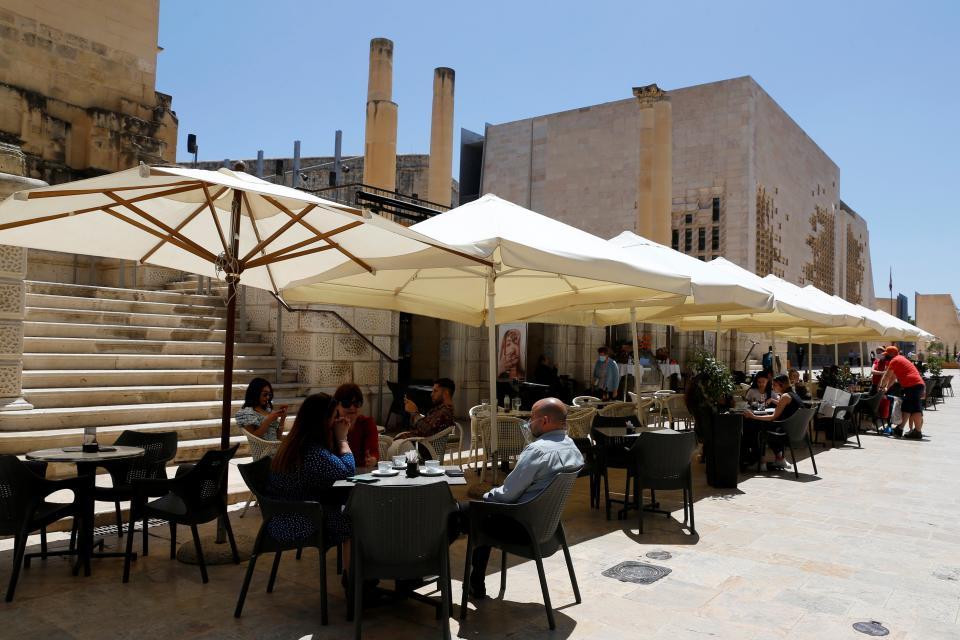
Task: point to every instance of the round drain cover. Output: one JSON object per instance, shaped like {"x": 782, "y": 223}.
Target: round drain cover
{"x": 659, "y": 555}
{"x": 872, "y": 628}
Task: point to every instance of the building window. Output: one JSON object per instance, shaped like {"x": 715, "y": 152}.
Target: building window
{"x": 701, "y": 239}
{"x": 702, "y": 259}
{"x": 715, "y": 239}
{"x": 716, "y": 209}
{"x": 688, "y": 240}
{"x": 675, "y": 239}
{"x": 688, "y": 219}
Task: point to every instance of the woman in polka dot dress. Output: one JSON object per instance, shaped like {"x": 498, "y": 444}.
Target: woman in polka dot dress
{"x": 314, "y": 455}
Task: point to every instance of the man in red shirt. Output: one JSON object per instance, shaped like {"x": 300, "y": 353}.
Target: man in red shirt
{"x": 901, "y": 370}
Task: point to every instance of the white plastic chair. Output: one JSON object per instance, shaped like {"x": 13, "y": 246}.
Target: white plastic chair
{"x": 582, "y": 401}
{"x": 579, "y": 421}
{"x": 259, "y": 448}
{"x": 510, "y": 441}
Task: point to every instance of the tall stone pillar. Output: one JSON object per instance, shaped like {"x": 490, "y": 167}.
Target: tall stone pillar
{"x": 380, "y": 145}
{"x": 13, "y": 269}
{"x": 440, "y": 178}
{"x": 655, "y": 179}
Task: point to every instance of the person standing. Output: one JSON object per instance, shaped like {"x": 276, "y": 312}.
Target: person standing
{"x": 801, "y": 351}
{"x": 606, "y": 375}
{"x": 767, "y": 360}
{"x": 900, "y": 369}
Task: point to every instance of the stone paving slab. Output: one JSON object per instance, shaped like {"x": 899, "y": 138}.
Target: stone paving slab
{"x": 874, "y": 537}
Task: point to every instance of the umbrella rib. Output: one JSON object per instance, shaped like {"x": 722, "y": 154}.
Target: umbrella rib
{"x": 256, "y": 233}
{"x": 264, "y": 259}
{"x": 276, "y": 234}
{"x": 200, "y": 251}
{"x": 185, "y": 222}
{"x": 400, "y": 289}
{"x": 139, "y": 225}
{"x": 315, "y": 231}
{"x": 270, "y": 257}
{"x": 216, "y": 220}
{"x": 32, "y": 195}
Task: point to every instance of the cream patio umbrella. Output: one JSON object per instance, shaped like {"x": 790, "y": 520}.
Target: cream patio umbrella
{"x": 539, "y": 265}
{"x": 216, "y": 223}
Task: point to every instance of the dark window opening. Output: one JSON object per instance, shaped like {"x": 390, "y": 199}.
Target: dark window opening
{"x": 716, "y": 209}
{"x": 688, "y": 240}
{"x": 715, "y": 239}
{"x": 675, "y": 239}
{"x": 701, "y": 239}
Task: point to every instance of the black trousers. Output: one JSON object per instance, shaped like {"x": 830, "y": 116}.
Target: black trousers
{"x": 750, "y": 440}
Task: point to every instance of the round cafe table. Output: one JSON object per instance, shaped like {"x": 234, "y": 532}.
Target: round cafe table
{"x": 87, "y": 464}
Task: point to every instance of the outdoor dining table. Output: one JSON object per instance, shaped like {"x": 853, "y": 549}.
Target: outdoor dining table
{"x": 401, "y": 479}
{"x": 87, "y": 464}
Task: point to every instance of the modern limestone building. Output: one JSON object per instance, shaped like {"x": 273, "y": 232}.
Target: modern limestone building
{"x": 718, "y": 169}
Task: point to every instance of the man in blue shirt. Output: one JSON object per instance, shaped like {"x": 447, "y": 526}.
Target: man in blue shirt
{"x": 767, "y": 361}
{"x": 550, "y": 453}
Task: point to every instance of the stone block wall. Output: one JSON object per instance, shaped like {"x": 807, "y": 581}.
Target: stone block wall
{"x": 325, "y": 352}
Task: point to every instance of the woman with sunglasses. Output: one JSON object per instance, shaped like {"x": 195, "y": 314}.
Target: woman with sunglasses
{"x": 258, "y": 415}
{"x": 362, "y": 436}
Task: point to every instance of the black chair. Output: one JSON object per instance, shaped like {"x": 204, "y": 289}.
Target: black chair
{"x": 257, "y": 476}
{"x": 417, "y": 545}
{"x": 396, "y": 405}
{"x": 159, "y": 448}
{"x": 24, "y": 509}
{"x": 540, "y": 519}
{"x": 796, "y": 432}
{"x": 612, "y": 452}
{"x": 190, "y": 498}
{"x": 934, "y": 392}
{"x": 840, "y": 424}
{"x": 868, "y": 407}
{"x": 591, "y": 467}
{"x": 662, "y": 461}
{"x": 946, "y": 384}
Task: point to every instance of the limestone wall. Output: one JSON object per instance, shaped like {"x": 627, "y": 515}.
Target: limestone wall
{"x": 324, "y": 351}
{"x": 937, "y": 313}
{"x": 78, "y": 86}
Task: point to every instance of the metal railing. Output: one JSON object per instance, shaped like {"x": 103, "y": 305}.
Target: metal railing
{"x": 401, "y": 207}
{"x": 383, "y": 355}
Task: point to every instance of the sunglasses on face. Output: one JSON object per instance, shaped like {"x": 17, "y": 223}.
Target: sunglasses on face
{"x": 346, "y": 404}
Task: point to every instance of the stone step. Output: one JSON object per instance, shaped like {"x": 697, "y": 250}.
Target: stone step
{"x": 44, "y": 314}
{"x": 114, "y": 293}
{"x": 101, "y": 396}
{"x": 217, "y": 288}
{"x": 207, "y": 430}
{"x": 39, "y": 379}
{"x": 119, "y": 415}
{"x": 44, "y": 301}
{"x": 119, "y": 331}
{"x": 55, "y": 361}
{"x": 52, "y": 345}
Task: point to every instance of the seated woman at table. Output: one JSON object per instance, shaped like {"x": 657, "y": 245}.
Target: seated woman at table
{"x": 761, "y": 391}
{"x": 314, "y": 456}
{"x": 787, "y": 405}
{"x": 797, "y": 385}
{"x": 258, "y": 415}
{"x": 363, "y": 437}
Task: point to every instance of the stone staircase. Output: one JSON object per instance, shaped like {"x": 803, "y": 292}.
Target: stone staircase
{"x": 123, "y": 359}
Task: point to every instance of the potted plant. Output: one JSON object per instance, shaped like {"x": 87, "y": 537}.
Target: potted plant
{"x": 709, "y": 394}
{"x": 935, "y": 366}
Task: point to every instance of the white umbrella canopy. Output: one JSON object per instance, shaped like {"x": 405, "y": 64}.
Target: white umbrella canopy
{"x": 541, "y": 265}
{"x": 717, "y": 287}
{"x": 180, "y": 218}
{"x": 213, "y": 222}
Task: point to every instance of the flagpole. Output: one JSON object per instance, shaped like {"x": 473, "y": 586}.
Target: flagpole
{"x": 891, "y": 290}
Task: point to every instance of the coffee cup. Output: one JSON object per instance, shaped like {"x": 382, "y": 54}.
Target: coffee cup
{"x": 383, "y": 466}
{"x": 399, "y": 461}
{"x": 433, "y": 466}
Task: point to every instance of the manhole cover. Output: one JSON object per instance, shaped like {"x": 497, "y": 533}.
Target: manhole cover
{"x": 872, "y": 628}
{"x": 637, "y": 572}
{"x": 659, "y": 555}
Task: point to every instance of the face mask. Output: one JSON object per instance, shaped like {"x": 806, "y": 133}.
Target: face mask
{"x": 603, "y": 358}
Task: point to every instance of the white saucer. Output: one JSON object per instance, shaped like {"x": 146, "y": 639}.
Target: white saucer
{"x": 425, "y": 471}
{"x": 384, "y": 474}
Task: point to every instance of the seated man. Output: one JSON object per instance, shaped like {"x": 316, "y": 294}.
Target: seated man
{"x": 550, "y": 453}
{"x": 438, "y": 418}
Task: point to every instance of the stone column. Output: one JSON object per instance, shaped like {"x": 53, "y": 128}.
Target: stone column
{"x": 380, "y": 146}
{"x": 13, "y": 269}
{"x": 439, "y": 179}
{"x": 655, "y": 179}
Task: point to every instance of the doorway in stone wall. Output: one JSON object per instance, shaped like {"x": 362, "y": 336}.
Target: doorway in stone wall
{"x": 420, "y": 344}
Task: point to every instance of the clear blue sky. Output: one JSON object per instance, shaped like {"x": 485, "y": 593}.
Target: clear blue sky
{"x": 874, "y": 83}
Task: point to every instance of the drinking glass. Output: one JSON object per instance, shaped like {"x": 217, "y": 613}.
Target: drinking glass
{"x": 383, "y": 466}
{"x": 516, "y": 404}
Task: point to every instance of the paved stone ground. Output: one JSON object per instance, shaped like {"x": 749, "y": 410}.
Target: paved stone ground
{"x": 874, "y": 537}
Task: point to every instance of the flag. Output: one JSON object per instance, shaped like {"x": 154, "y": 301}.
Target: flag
{"x": 891, "y": 282}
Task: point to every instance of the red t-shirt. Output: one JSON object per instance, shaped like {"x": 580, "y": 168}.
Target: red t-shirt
{"x": 880, "y": 364}
{"x": 905, "y": 371}
{"x": 364, "y": 439}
